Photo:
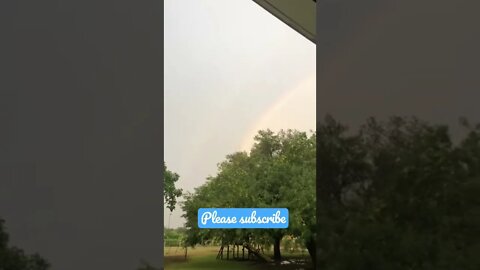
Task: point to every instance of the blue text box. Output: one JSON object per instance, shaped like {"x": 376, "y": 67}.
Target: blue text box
{"x": 243, "y": 218}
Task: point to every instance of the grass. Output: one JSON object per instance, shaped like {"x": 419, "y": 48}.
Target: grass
{"x": 204, "y": 258}
{"x": 201, "y": 258}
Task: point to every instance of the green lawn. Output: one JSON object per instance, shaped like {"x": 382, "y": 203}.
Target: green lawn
{"x": 206, "y": 263}
{"x": 204, "y": 258}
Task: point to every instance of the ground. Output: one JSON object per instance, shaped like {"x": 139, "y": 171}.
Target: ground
{"x": 204, "y": 258}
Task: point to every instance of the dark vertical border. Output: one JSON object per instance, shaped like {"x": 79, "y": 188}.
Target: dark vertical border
{"x": 162, "y": 141}
{"x": 81, "y": 131}
{"x": 318, "y": 65}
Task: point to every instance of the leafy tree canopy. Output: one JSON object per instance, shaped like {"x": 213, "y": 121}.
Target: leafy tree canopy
{"x": 398, "y": 194}
{"x": 171, "y": 193}
{"x": 13, "y": 258}
{"x": 279, "y": 171}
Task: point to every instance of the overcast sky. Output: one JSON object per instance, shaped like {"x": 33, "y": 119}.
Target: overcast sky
{"x": 383, "y": 58}
{"x": 231, "y": 69}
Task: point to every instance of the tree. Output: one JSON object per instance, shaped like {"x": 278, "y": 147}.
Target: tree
{"x": 227, "y": 189}
{"x": 284, "y": 176}
{"x": 171, "y": 193}
{"x": 398, "y": 195}
{"x": 278, "y": 166}
{"x": 13, "y": 258}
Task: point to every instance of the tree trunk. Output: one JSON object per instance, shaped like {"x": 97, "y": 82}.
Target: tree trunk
{"x": 311, "y": 247}
{"x": 276, "y": 249}
{"x": 220, "y": 253}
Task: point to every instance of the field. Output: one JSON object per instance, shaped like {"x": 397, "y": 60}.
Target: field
{"x": 204, "y": 258}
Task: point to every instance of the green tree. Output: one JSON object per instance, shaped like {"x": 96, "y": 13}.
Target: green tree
{"x": 284, "y": 176}
{"x": 278, "y": 166}
{"x": 171, "y": 193}
{"x": 398, "y": 195}
{"x": 227, "y": 189}
{"x": 13, "y": 258}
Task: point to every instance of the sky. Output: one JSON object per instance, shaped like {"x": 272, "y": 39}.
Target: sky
{"x": 386, "y": 58}
{"x": 231, "y": 69}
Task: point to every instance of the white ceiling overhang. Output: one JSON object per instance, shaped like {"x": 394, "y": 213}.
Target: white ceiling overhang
{"x": 298, "y": 14}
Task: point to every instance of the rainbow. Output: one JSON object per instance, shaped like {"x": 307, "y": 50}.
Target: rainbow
{"x": 294, "y": 109}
